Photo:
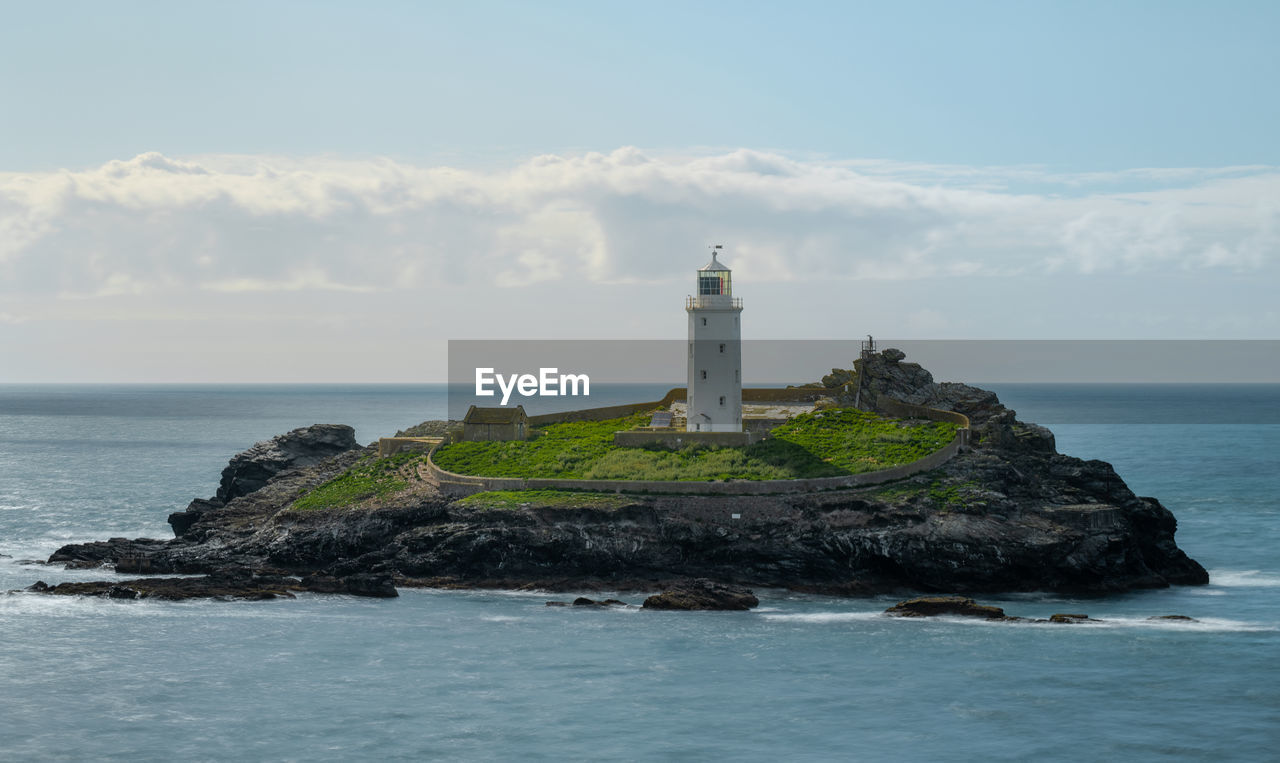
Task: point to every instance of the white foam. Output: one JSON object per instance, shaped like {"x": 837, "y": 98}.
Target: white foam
{"x": 1204, "y": 624}
{"x": 1243, "y": 579}
{"x": 824, "y": 617}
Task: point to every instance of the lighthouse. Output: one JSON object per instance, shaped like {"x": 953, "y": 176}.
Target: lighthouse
{"x": 715, "y": 352}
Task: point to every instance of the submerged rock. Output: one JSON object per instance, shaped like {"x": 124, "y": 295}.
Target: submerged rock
{"x": 703, "y": 594}
{"x": 583, "y": 601}
{"x": 936, "y": 606}
{"x": 224, "y": 585}
{"x": 360, "y": 584}
{"x": 1072, "y": 618}
{"x": 229, "y": 585}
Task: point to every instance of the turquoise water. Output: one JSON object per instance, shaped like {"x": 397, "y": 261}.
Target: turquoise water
{"x": 492, "y": 675}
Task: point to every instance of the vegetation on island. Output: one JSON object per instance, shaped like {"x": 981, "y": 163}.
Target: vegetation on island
{"x": 824, "y": 443}
{"x": 369, "y": 478}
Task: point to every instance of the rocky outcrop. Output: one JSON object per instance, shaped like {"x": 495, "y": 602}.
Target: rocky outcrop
{"x": 1008, "y": 513}
{"x": 703, "y": 595}
{"x": 252, "y": 469}
{"x": 936, "y": 606}
{"x": 959, "y": 606}
{"x": 226, "y": 585}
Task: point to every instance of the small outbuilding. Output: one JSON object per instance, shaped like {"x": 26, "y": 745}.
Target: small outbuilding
{"x": 489, "y": 424}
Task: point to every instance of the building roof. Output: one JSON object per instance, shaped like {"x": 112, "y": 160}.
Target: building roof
{"x": 714, "y": 264}
{"x": 477, "y": 415}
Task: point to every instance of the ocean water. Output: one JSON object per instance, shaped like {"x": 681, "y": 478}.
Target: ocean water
{"x": 500, "y": 676}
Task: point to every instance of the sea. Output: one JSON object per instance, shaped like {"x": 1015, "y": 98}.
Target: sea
{"x": 497, "y": 675}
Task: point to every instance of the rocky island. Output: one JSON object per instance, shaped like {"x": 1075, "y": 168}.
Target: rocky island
{"x": 1007, "y": 513}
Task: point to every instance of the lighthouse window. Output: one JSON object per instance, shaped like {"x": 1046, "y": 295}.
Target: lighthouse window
{"x": 737, "y": 374}
{"x": 722, "y": 400}
{"x": 704, "y": 374}
{"x": 704, "y": 321}
{"x": 721, "y": 349}
{"x": 709, "y": 285}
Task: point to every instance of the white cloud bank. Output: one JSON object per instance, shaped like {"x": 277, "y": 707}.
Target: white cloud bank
{"x": 250, "y": 268}
{"x": 227, "y": 224}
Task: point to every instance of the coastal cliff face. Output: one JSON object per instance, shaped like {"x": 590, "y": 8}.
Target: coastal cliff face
{"x": 1007, "y": 514}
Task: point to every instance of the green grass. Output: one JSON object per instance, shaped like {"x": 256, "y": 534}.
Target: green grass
{"x": 368, "y": 478}
{"x": 944, "y": 495}
{"x": 515, "y": 499}
{"x": 824, "y": 443}
{"x": 952, "y": 495}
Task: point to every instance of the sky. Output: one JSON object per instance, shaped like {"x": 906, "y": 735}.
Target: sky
{"x": 328, "y": 192}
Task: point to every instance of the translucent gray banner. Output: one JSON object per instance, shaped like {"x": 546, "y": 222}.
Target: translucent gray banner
{"x": 1198, "y": 381}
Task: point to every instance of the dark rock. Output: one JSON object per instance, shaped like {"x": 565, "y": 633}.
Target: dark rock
{"x": 703, "y": 594}
{"x": 38, "y": 587}
{"x": 250, "y": 470}
{"x": 884, "y": 374}
{"x": 1182, "y": 618}
{"x": 99, "y": 553}
{"x": 377, "y": 586}
{"x": 230, "y": 585}
{"x": 1069, "y": 618}
{"x": 583, "y": 601}
{"x": 935, "y": 606}
{"x": 557, "y": 604}
{"x": 181, "y": 521}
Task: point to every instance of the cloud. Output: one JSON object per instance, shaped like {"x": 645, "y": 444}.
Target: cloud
{"x": 238, "y": 224}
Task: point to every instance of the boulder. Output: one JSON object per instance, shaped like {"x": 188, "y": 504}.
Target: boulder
{"x": 1182, "y": 618}
{"x": 936, "y": 606}
{"x": 703, "y": 594}
{"x": 583, "y": 601}
{"x": 1070, "y": 618}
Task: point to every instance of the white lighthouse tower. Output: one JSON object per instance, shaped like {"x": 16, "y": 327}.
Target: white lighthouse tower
{"x": 715, "y": 352}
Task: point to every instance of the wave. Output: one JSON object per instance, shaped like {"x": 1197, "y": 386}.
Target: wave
{"x": 1203, "y": 624}
{"x": 1244, "y": 578}
{"x": 823, "y": 617}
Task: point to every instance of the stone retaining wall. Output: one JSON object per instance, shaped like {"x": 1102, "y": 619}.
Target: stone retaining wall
{"x": 389, "y": 446}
